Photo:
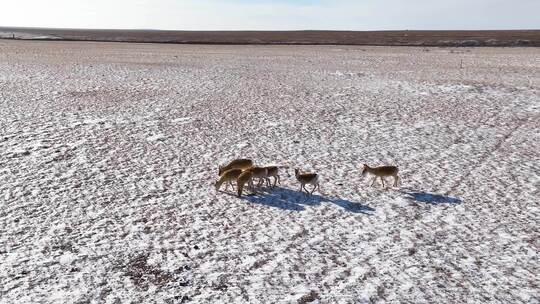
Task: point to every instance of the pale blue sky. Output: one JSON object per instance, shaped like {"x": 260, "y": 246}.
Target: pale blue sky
{"x": 273, "y": 15}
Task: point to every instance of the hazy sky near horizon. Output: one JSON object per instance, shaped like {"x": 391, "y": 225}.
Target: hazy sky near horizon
{"x": 272, "y": 15}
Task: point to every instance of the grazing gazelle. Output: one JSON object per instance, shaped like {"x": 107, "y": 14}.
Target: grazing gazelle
{"x": 381, "y": 172}
{"x": 307, "y": 178}
{"x": 236, "y": 164}
{"x": 228, "y": 176}
{"x": 245, "y": 177}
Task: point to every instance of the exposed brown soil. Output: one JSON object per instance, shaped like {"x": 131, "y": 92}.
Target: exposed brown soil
{"x": 389, "y": 38}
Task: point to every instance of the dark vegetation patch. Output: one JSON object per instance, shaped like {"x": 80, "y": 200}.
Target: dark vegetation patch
{"x": 142, "y": 274}
{"x": 387, "y": 38}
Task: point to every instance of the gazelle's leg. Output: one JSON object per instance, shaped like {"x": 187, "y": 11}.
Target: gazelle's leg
{"x": 304, "y": 186}
{"x": 382, "y": 181}
{"x": 275, "y": 180}
{"x": 278, "y": 179}
{"x": 396, "y": 178}
{"x": 252, "y": 186}
{"x": 240, "y": 188}
{"x": 268, "y": 183}
{"x": 314, "y": 187}
{"x": 373, "y": 182}
{"x": 227, "y": 186}
{"x": 300, "y": 188}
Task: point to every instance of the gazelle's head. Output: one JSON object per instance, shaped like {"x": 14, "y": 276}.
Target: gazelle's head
{"x": 296, "y": 171}
{"x": 364, "y": 170}
{"x": 220, "y": 170}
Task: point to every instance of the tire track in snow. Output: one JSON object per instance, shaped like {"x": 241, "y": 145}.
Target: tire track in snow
{"x": 484, "y": 158}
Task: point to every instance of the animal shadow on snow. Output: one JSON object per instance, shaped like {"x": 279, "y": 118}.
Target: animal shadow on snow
{"x": 289, "y": 199}
{"x": 429, "y": 198}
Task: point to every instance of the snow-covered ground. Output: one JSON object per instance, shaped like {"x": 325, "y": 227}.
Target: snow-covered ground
{"x": 22, "y": 35}
{"x": 108, "y": 153}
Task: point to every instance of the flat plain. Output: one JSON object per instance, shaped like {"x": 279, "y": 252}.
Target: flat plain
{"x": 109, "y": 152}
{"x": 501, "y": 38}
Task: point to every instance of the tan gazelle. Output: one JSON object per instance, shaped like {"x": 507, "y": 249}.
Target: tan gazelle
{"x": 382, "y": 171}
{"x": 228, "y": 177}
{"x": 236, "y": 164}
{"x": 243, "y": 178}
{"x": 307, "y": 178}
{"x": 260, "y": 173}
{"x": 272, "y": 171}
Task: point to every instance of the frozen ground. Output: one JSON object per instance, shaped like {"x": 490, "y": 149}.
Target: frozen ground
{"x": 108, "y": 152}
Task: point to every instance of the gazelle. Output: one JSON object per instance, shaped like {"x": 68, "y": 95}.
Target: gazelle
{"x": 307, "y": 178}
{"x": 272, "y": 171}
{"x": 228, "y": 176}
{"x": 236, "y": 164}
{"x": 243, "y": 178}
{"x": 381, "y": 172}
{"x": 261, "y": 173}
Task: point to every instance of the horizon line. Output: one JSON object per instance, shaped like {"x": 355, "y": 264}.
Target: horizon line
{"x": 265, "y": 30}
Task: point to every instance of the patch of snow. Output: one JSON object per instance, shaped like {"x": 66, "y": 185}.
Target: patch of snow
{"x": 158, "y": 137}
{"x": 108, "y": 195}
